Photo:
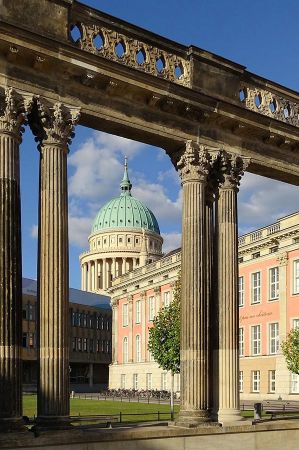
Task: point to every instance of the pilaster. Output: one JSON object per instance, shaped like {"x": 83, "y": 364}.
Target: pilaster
{"x": 53, "y": 126}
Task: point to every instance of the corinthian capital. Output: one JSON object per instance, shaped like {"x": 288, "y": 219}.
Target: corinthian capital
{"x": 53, "y": 123}
{"x": 193, "y": 163}
{"x": 13, "y": 109}
{"x": 231, "y": 168}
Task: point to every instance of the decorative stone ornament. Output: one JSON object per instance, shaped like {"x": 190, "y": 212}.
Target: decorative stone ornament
{"x": 194, "y": 163}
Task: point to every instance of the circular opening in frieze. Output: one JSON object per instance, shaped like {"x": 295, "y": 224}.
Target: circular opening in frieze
{"x": 242, "y": 94}
{"x": 120, "y": 49}
{"x": 98, "y": 41}
{"x": 141, "y": 57}
{"x": 75, "y": 33}
{"x": 258, "y": 100}
{"x": 160, "y": 64}
{"x": 178, "y": 71}
{"x": 273, "y": 106}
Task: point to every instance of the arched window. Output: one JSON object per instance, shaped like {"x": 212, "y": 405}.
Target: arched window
{"x": 125, "y": 350}
{"x": 138, "y": 348}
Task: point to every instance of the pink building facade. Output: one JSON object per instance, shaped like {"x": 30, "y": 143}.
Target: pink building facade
{"x": 268, "y": 307}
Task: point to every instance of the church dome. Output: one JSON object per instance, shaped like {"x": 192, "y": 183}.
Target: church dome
{"x": 125, "y": 211}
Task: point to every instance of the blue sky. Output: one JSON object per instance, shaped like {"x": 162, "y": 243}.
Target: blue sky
{"x": 261, "y": 35}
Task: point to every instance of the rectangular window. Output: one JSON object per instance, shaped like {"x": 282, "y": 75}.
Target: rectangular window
{"x": 31, "y": 340}
{"x": 24, "y": 340}
{"x": 84, "y": 344}
{"x": 138, "y": 348}
{"x": 150, "y": 356}
{"x": 256, "y": 287}
{"x": 135, "y": 381}
{"x": 272, "y": 379}
{"x": 91, "y": 345}
{"x": 255, "y": 340}
{"x": 123, "y": 381}
{"x": 273, "y": 283}
{"x": 241, "y": 291}
{"x": 73, "y": 319}
{"x": 151, "y": 308}
{"x": 256, "y": 380}
{"x": 296, "y": 277}
{"x": 294, "y": 383}
{"x": 241, "y": 341}
{"x": 79, "y": 342}
{"x": 295, "y": 323}
{"x": 241, "y": 381}
{"x": 273, "y": 338}
{"x": 125, "y": 315}
{"x": 164, "y": 381}
{"x": 138, "y": 311}
{"x": 166, "y": 299}
{"x": 31, "y": 311}
{"x": 148, "y": 381}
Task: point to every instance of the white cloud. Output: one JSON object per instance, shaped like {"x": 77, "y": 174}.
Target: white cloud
{"x": 171, "y": 241}
{"x": 79, "y": 230}
{"x": 34, "y": 231}
{"x": 262, "y": 201}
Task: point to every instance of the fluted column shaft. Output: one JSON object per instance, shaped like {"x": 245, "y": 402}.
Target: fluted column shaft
{"x": 114, "y": 332}
{"x": 194, "y": 303}
{"x": 53, "y": 126}
{"x": 53, "y": 398}
{"x": 227, "y": 239}
{"x": 10, "y": 265}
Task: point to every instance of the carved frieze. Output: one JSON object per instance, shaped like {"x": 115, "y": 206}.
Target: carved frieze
{"x": 115, "y": 46}
{"x": 269, "y": 104}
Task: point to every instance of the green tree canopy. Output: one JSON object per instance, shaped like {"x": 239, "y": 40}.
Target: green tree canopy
{"x": 164, "y": 336}
{"x": 290, "y": 349}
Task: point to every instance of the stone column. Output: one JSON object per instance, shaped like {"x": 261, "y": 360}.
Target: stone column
{"x": 231, "y": 169}
{"x": 83, "y": 281}
{"x": 131, "y": 325}
{"x": 89, "y": 276}
{"x": 53, "y": 126}
{"x": 123, "y": 269}
{"x": 104, "y": 274}
{"x": 92, "y": 276}
{"x": 11, "y": 119}
{"x": 157, "y": 292}
{"x": 193, "y": 167}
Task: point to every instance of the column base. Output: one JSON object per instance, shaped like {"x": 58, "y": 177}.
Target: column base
{"x": 193, "y": 419}
{"x": 230, "y": 416}
{"x": 11, "y": 425}
{"x": 51, "y": 423}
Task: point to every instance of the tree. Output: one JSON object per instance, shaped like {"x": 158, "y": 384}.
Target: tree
{"x": 164, "y": 337}
{"x": 290, "y": 349}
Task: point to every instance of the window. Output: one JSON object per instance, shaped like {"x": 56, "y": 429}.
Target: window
{"x": 79, "y": 342}
{"x": 294, "y": 383}
{"x": 138, "y": 348}
{"x": 107, "y": 346}
{"x": 151, "y": 308}
{"x": 273, "y": 283}
{"x": 255, "y": 340}
{"x": 256, "y": 380}
{"x": 241, "y": 381}
{"x": 123, "y": 381}
{"x": 150, "y": 356}
{"x": 272, "y": 378}
{"x": 166, "y": 299}
{"x": 256, "y": 287}
{"x": 296, "y": 277}
{"x": 125, "y": 315}
{"x": 274, "y": 249}
{"x": 91, "y": 345}
{"x": 241, "y": 291}
{"x": 256, "y": 255}
{"x": 138, "y": 311}
{"x": 73, "y": 319}
{"x": 84, "y": 344}
{"x": 241, "y": 341}
{"x": 125, "y": 350}
{"x": 273, "y": 338}
{"x": 148, "y": 381}
{"x": 135, "y": 381}
{"x": 31, "y": 312}
{"x": 295, "y": 323}
{"x": 164, "y": 381}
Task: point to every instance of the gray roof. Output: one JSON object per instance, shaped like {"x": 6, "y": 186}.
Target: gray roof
{"x": 29, "y": 287}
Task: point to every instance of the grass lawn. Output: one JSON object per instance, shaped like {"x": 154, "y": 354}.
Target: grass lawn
{"x": 92, "y": 407}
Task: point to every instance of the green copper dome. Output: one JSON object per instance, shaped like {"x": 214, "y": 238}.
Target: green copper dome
{"x": 125, "y": 211}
